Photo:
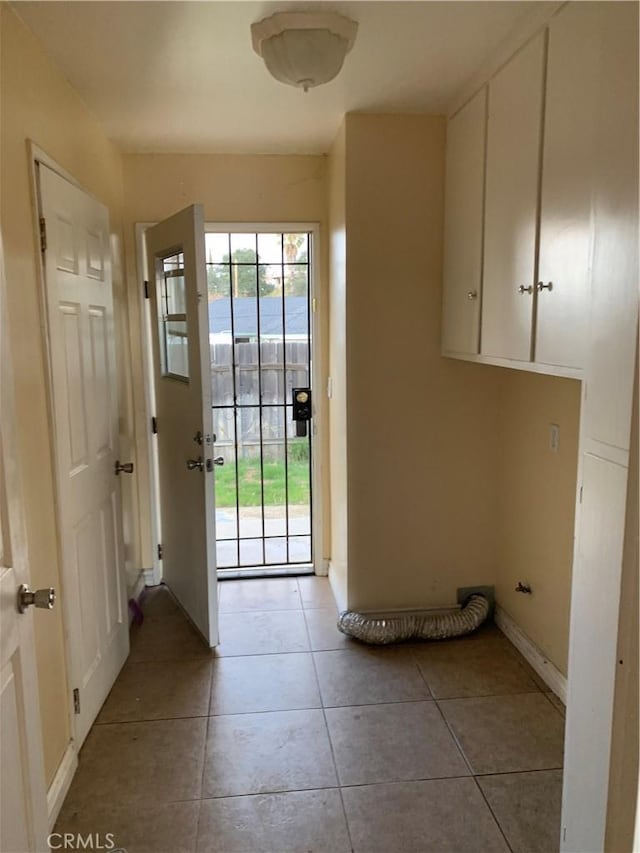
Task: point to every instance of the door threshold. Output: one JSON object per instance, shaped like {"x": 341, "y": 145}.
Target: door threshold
{"x": 281, "y": 571}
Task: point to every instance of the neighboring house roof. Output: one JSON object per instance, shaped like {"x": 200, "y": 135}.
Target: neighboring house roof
{"x": 245, "y": 316}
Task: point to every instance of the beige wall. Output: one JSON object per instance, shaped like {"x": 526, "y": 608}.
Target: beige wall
{"x": 38, "y": 104}
{"x": 421, "y": 439}
{"x": 232, "y": 188}
{"x": 338, "y": 365}
{"x": 450, "y": 478}
{"x": 536, "y": 505}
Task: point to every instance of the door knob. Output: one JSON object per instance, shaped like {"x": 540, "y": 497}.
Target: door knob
{"x": 523, "y": 289}
{"x": 472, "y": 294}
{"x": 44, "y": 598}
{"x": 192, "y": 464}
{"x": 218, "y": 460}
{"x": 542, "y": 286}
{"x": 123, "y": 467}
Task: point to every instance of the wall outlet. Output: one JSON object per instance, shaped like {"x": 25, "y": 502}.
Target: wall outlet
{"x": 554, "y": 437}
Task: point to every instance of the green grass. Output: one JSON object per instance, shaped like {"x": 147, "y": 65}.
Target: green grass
{"x": 274, "y": 483}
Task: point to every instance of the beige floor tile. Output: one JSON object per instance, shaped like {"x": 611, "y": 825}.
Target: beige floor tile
{"x": 483, "y": 667}
{"x": 241, "y": 685}
{"x": 505, "y": 734}
{"x": 267, "y": 753}
{"x": 271, "y": 633}
{"x": 369, "y": 676}
{"x": 152, "y": 762}
{"x": 299, "y": 822}
{"x": 166, "y": 637}
{"x": 259, "y": 595}
{"x": 323, "y": 633}
{"x": 527, "y": 806}
{"x": 315, "y": 592}
{"x": 159, "y": 691}
{"x": 396, "y": 742}
{"x": 156, "y": 602}
{"x": 439, "y": 816}
{"x": 166, "y": 828}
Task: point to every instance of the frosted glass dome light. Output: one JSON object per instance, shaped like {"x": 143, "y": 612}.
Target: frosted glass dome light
{"x": 304, "y": 49}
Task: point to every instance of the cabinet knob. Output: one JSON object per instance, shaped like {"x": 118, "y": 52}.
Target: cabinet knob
{"x": 472, "y": 294}
{"x": 542, "y": 286}
{"x": 523, "y": 289}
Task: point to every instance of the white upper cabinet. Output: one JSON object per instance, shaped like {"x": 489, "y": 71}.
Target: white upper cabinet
{"x": 567, "y": 186}
{"x": 511, "y": 207}
{"x": 464, "y": 201}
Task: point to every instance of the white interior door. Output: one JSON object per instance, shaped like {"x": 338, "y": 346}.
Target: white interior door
{"x": 180, "y": 336}
{"x": 84, "y": 399}
{"x": 23, "y": 803}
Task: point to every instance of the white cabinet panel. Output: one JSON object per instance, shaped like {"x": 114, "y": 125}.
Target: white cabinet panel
{"x": 614, "y": 306}
{"x": 513, "y": 162}
{"x": 567, "y": 182}
{"x": 464, "y": 200}
{"x": 595, "y": 599}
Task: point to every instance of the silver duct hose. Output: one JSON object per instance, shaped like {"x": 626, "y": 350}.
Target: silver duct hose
{"x": 440, "y": 625}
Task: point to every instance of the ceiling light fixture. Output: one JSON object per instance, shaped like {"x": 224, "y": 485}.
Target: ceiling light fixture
{"x": 304, "y": 49}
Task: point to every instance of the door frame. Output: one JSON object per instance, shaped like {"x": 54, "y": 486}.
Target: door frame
{"x": 154, "y": 576}
{"x": 62, "y": 780}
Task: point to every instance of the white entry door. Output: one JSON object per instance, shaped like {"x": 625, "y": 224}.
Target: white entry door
{"x": 180, "y": 334}
{"x": 23, "y": 803}
{"x": 85, "y": 410}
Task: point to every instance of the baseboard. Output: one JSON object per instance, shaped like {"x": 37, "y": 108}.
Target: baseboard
{"x": 61, "y": 783}
{"x": 322, "y": 568}
{"x": 335, "y": 588}
{"x": 547, "y": 671}
{"x": 150, "y": 577}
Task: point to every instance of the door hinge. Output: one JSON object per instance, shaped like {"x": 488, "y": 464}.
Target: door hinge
{"x": 159, "y": 552}
{"x": 581, "y": 487}
{"x": 314, "y": 305}
{"x": 43, "y": 234}
{"x": 154, "y": 425}
{"x": 76, "y": 701}
{"x": 146, "y": 289}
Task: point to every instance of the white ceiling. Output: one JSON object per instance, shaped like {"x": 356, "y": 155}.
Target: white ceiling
{"x": 182, "y": 76}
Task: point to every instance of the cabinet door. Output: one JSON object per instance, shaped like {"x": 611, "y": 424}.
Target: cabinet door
{"x": 464, "y": 199}
{"x": 567, "y": 183}
{"x": 513, "y": 163}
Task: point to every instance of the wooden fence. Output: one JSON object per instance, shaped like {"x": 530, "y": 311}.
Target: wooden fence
{"x": 267, "y": 379}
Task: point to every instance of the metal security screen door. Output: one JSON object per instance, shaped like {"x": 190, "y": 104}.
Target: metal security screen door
{"x": 261, "y": 349}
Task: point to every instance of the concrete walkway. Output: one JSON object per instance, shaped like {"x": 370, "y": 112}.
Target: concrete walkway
{"x": 251, "y": 526}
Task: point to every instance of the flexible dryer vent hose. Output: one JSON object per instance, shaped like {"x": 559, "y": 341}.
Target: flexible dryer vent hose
{"x": 415, "y": 626}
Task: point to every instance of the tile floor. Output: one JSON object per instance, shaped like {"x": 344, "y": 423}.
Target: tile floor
{"x": 291, "y": 737}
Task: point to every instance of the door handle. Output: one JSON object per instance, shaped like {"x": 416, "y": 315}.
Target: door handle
{"x": 218, "y": 460}
{"x": 44, "y": 598}
{"x": 192, "y": 464}
{"x": 523, "y": 289}
{"x": 542, "y": 286}
{"x": 123, "y": 467}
